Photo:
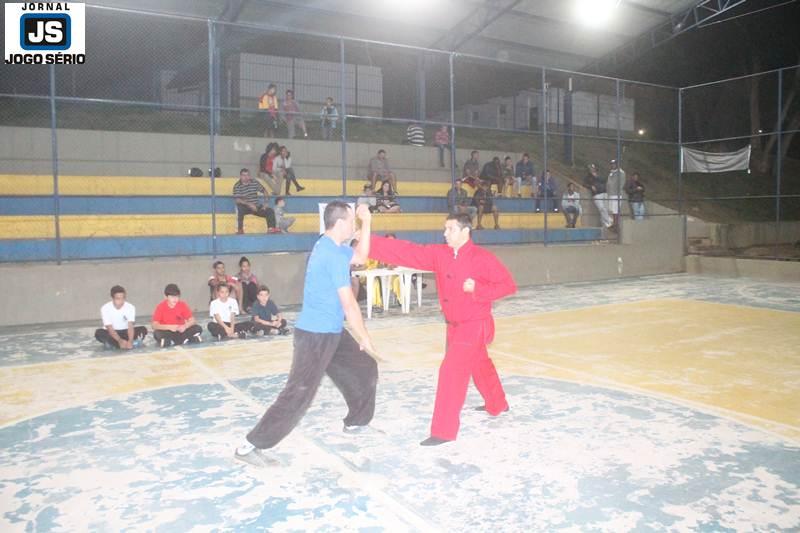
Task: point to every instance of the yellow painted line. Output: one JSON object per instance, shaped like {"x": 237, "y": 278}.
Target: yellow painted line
{"x": 89, "y": 226}
{"x": 72, "y": 185}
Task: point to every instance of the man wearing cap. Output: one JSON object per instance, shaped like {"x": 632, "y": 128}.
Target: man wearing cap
{"x": 616, "y": 181}
{"x": 468, "y": 279}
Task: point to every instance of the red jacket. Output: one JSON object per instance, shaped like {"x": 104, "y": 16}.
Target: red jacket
{"x": 492, "y": 279}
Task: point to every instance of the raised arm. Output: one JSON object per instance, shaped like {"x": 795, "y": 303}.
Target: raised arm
{"x": 402, "y": 253}
{"x": 361, "y": 253}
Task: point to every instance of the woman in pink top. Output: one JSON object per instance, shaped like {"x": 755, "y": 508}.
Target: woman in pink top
{"x": 292, "y": 115}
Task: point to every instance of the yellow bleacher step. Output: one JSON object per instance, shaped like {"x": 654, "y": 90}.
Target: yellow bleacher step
{"x": 42, "y": 185}
{"x": 89, "y": 226}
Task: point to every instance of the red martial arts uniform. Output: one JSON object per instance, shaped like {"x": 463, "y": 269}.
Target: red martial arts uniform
{"x": 470, "y": 326}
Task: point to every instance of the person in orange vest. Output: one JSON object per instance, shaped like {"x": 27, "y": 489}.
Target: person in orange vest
{"x": 468, "y": 279}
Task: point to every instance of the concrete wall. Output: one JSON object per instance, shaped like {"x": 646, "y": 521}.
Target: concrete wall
{"x": 737, "y": 267}
{"x": 48, "y": 293}
{"x": 744, "y": 234}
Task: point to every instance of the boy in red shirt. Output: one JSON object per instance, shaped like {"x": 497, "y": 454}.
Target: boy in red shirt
{"x": 173, "y": 322}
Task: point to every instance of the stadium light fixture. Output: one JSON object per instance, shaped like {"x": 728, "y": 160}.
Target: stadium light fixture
{"x": 641, "y": 132}
{"x": 595, "y": 12}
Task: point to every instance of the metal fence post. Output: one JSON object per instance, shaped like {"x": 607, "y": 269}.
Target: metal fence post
{"x": 54, "y": 145}
{"x": 680, "y": 169}
{"x": 544, "y": 149}
{"x": 617, "y": 194}
{"x": 452, "y": 123}
{"x": 778, "y": 164}
{"x": 211, "y": 137}
{"x": 344, "y": 118}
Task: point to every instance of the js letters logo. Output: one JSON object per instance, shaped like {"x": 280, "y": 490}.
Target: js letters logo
{"x": 45, "y": 33}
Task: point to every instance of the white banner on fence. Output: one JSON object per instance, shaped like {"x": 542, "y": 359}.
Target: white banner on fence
{"x": 697, "y": 161}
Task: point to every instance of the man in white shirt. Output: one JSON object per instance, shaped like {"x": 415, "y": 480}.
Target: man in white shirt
{"x": 119, "y": 317}
{"x": 223, "y": 313}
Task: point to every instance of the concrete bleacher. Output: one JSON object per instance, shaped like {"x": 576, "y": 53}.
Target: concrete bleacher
{"x": 126, "y": 194}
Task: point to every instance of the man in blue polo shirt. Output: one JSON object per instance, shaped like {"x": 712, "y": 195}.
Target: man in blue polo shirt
{"x": 321, "y": 344}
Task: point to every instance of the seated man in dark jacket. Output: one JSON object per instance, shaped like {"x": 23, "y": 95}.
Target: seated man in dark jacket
{"x": 493, "y": 173}
{"x": 483, "y": 201}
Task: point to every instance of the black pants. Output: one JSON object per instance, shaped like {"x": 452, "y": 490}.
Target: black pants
{"x": 102, "y": 335}
{"x": 249, "y": 294}
{"x": 262, "y": 211}
{"x": 290, "y": 178}
{"x": 338, "y": 355}
{"x": 267, "y": 329}
{"x": 192, "y": 333}
{"x": 571, "y": 214}
{"x": 216, "y": 330}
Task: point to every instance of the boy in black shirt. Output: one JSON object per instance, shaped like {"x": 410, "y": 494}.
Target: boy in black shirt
{"x": 266, "y": 315}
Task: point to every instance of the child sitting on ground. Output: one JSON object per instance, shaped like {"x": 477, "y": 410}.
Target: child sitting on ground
{"x": 266, "y": 315}
{"x": 223, "y": 313}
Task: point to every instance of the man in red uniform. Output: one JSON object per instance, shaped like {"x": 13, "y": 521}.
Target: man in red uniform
{"x": 468, "y": 279}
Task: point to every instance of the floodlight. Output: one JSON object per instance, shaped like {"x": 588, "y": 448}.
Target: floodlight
{"x": 595, "y": 12}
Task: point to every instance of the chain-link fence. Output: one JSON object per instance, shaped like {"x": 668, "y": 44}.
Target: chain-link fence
{"x": 137, "y": 152}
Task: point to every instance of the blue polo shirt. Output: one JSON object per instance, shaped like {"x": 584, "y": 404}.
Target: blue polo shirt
{"x": 328, "y": 271}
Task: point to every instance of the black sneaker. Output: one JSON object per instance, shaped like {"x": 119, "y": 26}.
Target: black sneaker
{"x": 482, "y": 408}
{"x": 434, "y": 441}
{"x": 242, "y": 334}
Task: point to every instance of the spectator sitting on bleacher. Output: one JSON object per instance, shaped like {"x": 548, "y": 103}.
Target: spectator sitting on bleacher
{"x": 379, "y": 170}
{"x": 547, "y": 193}
{"x": 267, "y": 317}
{"x": 415, "y": 135}
{"x": 283, "y": 169}
{"x": 219, "y": 277}
{"x": 266, "y": 168}
{"x": 508, "y": 176}
{"x": 458, "y": 201}
{"x": 442, "y": 140}
{"x": 173, "y": 322}
{"x": 119, "y": 317}
{"x": 571, "y": 205}
{"x": 328, "y": 118}
{"x": 386, "y": 199}
{"x": 524, "y": 174}
{"x": 292, "y": 115}
{"x": 223, "y": 313}
{"x": 368, "y": 197}
{"x": 245, "y": 194}
{"x": 472, "y": 170}
{"x": 248, "y": 284}
{"x": 493, "y": 173}
{"x": 282, "y": 221}
{"x": 634, "y": 188}
{"x": 597, "y": 187}
{"x": 482, "y": 200}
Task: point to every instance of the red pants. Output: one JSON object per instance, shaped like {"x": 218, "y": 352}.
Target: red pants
{"x": 466, "y": 357}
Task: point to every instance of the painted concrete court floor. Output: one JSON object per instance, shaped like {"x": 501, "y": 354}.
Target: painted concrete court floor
{"x": 668, "y": 403}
